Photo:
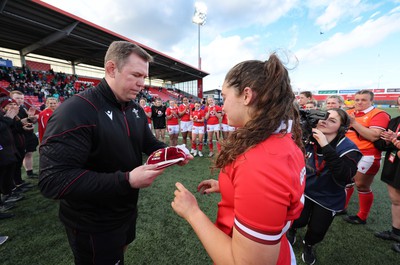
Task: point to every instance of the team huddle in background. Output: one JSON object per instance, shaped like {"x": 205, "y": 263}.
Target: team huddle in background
{"x": 198, "y": 123}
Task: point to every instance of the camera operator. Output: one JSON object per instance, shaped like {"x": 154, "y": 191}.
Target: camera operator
{"x": 331, "y": 163}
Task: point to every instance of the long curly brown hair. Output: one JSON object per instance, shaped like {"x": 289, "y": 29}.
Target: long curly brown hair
{"x": 273, "y": 104}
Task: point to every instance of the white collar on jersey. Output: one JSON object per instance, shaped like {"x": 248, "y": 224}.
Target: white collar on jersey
{"x": 283, "y": 127}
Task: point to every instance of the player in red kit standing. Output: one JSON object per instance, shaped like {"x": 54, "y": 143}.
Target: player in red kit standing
{"x": 44, "y": 116}
{"x": 213, "y": 114}
{"x": 172, "y": 123}
{"x": 225, "y": 127}
{"x": 197, "y": 116}
{"x": 186, "y": 123}
{"x": 260, "y": 194}
{"x": 147, "y": 110}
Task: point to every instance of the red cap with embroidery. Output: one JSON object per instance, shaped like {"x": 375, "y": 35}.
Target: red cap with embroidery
{"x": 166, "y": 157}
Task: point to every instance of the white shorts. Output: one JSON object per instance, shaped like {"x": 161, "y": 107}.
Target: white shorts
{"x": 213, "y": 128}
{"x": 186, "y": 126}
{"x": 365, "y": 164}
{"x": 173, "y": 129}
{"x": 227, "y": 128}
{"x": 198, "y": 129}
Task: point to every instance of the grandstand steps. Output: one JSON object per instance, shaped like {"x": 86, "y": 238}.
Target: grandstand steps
{"x": 162, "y": 93}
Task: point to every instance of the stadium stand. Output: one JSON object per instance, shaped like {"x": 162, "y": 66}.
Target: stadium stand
{"x": 61, "y": 35}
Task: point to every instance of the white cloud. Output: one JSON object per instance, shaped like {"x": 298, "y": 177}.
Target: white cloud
{"x": 294, "y": 30}
{"x": 375, "y": 14}
{"x": 335, "y": 11}
{"x": 365, "y": 35}
{"x": 357, "y": 19}
{"x": 225, "y": 15}
{"x": 222, "y": 54}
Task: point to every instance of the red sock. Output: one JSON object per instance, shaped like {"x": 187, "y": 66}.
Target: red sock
{"x": 211, "y": 146}
{"x": 349, "y": 192}
{"x": 200, "y": 147}
{"x": 218, "y": 147}
{"x": 365, "y": 199}
{"x": 194, "y": 145}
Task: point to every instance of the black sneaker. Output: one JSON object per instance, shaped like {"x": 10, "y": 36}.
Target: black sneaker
{"x": 6, "y": 206}
{"x": 6, "y": 215}
{"x": 387, "y": 235}
{"x": 344, "y": 212}
{"x": 355, "y": 220}
{"x": 13, "y": 197}
{"x": 21, "y": 189}
{"x": 291, "y": 236}
{"x": 396, "y": 247}
{"x": 33, "y": 176}
{"x": 308, "y": 255}
{"x": 25, "y": 185}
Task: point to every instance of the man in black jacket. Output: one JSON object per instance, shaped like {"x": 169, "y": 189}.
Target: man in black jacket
{"x": 91, "y": 158}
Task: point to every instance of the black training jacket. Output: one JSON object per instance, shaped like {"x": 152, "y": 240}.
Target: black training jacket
{"x": 90, "y": 145}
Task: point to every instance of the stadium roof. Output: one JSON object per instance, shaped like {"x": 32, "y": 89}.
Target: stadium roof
{"x": 37, "y": 27}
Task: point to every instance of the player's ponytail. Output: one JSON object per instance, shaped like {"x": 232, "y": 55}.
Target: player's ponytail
{"x": 273, "y": 105}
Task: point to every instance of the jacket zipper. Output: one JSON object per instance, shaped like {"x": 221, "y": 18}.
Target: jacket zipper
{"x": 126, "y": 123}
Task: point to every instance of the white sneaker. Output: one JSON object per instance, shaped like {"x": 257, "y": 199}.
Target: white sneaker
{"x": 192, "y": 151}
{"x": 200, "y": 154}
{"x": 210, "y": 154}
{"x": 3, "y": 239}
{"x": 195, "y": 153}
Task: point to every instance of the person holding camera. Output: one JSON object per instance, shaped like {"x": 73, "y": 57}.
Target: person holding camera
{"x": 331, "y": 164}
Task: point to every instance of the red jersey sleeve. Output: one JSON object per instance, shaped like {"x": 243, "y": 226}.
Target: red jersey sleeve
{"x": 265, "y": 189}
{"x": 380, "y": 120}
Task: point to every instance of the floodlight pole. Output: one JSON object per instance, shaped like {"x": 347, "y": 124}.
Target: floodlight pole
{"x": 199, "y": 58}
{"x": 199, "y": 18}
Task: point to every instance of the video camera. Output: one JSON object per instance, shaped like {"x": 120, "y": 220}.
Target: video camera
{"x": 309, "y": 119}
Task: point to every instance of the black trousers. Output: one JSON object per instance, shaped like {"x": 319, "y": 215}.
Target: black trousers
{"x": 317, "y": 219}
{"x": 100, "y": 248}
{"x": 6, "y": 178}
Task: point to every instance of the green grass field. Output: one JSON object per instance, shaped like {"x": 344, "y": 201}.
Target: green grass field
{"x": 37, "y": 237}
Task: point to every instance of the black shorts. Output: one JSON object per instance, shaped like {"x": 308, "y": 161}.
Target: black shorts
{"x": 100, "y": 248}
{"x": 31, "y": 142}
{"x": 159, "y": 123}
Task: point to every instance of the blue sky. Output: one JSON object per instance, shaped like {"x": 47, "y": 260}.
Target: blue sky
{"x": 334, "y": 44}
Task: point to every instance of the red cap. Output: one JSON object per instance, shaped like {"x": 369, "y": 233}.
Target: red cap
{"x": 5, "y": 100}
{"x": 166, "y": 157}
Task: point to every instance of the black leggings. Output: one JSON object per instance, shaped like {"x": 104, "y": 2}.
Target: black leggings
{"x": 6, "y": 178}
{"x": 317, "y": 219}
